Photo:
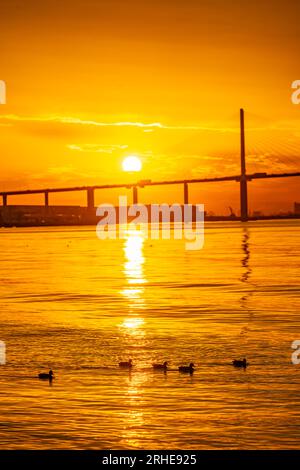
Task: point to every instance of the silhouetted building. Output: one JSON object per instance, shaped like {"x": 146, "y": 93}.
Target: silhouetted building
{"x": 257, "y": 214}
{"x": 297, "y": 208}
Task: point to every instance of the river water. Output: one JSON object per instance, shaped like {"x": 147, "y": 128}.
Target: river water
{"x": 78, "y": 305}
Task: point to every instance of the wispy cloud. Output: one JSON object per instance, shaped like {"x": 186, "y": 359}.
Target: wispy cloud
{"x": 96, "y": 148}
{"x": 9, "y": 119}
{"x": 136, "y": 124}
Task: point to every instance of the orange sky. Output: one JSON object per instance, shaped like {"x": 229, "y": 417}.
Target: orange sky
{"x": 89, "y": 82}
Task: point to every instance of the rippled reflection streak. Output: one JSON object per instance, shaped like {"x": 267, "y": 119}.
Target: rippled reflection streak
{"x": 134, "y": 419}
{"x": 133, "y": 328}
{"x": 246, "y": 280}
{"x": 133, "y": 268}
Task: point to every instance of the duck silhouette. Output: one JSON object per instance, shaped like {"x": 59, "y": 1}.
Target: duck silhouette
{"x": 239, "y": 363}
{"x": 187, "y": 369}
{"x": 163, "y": 366}
{"x": 127, "y": 365}
{"x": 44, "y": 376}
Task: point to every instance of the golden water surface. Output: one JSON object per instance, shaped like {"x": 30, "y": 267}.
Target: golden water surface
{"x": 78, "y": 305}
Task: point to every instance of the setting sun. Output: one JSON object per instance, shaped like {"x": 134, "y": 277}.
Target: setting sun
{"x": 132, "y": 164}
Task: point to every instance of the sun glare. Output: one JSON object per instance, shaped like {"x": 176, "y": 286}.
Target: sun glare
{"x": 132, "y": 164}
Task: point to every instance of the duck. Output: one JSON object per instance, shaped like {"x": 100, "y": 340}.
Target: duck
{"x": 187, "y": 369}
{"x": 163, "y": 366}
{"x": 127, "y": 365}
{"x": 239, "y": 363}
{"x": 48, "y": 376}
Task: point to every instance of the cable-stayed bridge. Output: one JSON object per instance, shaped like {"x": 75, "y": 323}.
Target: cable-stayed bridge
{"x": 243, "y": 178}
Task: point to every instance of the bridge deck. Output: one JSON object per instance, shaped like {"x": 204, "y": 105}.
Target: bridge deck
{"x": 142, "y": 184}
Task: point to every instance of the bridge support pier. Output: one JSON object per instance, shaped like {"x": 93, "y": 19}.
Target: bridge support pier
{"x": 90, "y": 199}
{"x": 4, "y": 200}
{"x": 186, "y": 193}
{"x": 134, "y": 194}
{"x": 244, "y": 199}
{"x": 46, "y": 199}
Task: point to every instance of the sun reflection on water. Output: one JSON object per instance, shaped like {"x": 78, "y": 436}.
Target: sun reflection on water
{"x": 133, "y": 330}
{"x": 132, "y": 323}
{"x": 135, "y": 279}
{"x": 134, "y": 430}
{"x": 133, "y": 270}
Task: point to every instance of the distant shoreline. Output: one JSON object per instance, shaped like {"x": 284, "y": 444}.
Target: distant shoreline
{"x": 206, "y": 219}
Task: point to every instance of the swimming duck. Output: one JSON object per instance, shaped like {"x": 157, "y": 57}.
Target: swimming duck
{"x": 128, "y": 364}
{"x": 239, "y": 363}
{"x": 187, "y": 369}
{"x": 48, "y": 376}
{"x": 163, "y": 366}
